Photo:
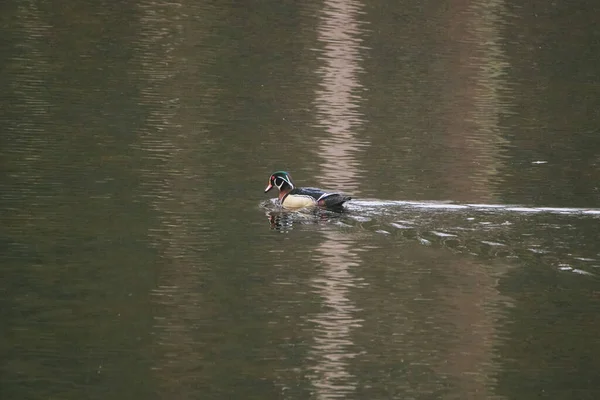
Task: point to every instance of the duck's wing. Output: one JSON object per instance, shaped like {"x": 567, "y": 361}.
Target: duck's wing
{"x": 323, "y": 198}
{"x": 315, "y": 193}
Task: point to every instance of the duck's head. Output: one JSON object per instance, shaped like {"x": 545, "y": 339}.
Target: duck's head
{"x": 281, "y": 180}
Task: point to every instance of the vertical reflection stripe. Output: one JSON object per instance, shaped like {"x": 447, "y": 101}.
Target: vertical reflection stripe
{"x": 338, "y": 112}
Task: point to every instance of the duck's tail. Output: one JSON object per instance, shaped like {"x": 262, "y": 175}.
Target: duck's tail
{"x": 334, "y": 201}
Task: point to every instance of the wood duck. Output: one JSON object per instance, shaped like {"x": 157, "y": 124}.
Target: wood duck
{"x": 291, "y": 197}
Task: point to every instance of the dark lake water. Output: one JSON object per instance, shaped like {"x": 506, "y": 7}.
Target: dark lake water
{"x": 140, "y": 258}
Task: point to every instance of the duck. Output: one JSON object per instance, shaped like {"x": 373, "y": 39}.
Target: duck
{"x": 293, "y": 198}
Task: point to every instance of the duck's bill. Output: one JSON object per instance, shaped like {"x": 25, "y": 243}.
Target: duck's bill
{"x": 269, "y": 187}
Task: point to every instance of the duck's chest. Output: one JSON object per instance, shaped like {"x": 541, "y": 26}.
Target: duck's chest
{"x": 298, "y": 201}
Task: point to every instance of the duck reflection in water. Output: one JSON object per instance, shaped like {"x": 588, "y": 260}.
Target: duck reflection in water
{"x": 283, "y": 220}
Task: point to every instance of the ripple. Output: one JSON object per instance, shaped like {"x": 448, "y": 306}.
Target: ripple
{"x": 390, "y": 206}
{"x": 499, "y": 231}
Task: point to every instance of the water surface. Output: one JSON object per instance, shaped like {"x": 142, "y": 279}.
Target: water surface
{"x": 140, "y": 258}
